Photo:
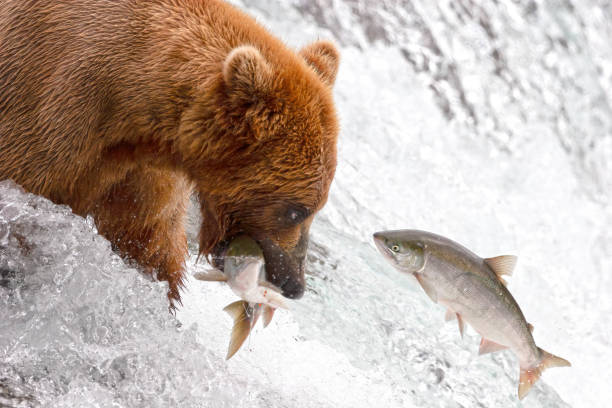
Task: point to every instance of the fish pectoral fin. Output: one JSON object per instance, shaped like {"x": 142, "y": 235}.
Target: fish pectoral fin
{"x": 245, "y": 318}
{"x": 502, "y": 265}
{"x": 488, "y": 346}
{"x": 450, "y": 315}
{"x": 429, "y": 290}
{"x": 268, "y": 314}
{"x": 461, "y": 324}
{"x": 213, "y": 275}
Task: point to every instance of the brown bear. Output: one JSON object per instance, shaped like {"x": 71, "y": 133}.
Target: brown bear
{"x": 121, "y": 109}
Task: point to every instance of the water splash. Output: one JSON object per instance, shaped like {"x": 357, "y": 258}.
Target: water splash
{"x": 487, "y": 123}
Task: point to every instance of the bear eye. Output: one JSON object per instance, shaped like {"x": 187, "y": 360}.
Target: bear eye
{"x": 295, "y": 214}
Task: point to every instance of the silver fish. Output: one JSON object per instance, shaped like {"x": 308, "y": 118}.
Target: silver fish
{"x": 244, "y": 272}
{"x": 472, "y": 290}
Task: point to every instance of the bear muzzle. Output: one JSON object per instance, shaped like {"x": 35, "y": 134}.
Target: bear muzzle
{"x": 284, "y": 268}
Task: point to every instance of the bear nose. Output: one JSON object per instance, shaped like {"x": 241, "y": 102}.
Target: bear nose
{"x": 293, "y": 288}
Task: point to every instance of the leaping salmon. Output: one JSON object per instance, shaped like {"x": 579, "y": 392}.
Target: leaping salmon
{"x": 472, "y": 290}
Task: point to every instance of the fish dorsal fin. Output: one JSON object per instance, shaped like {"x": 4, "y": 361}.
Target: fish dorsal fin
{"x": 530, "y": 326}
{"x": 502, "y": 265}
{"x": 268, "y": 314}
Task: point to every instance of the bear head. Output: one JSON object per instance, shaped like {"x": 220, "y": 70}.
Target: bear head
{"x": 268, "y": 157}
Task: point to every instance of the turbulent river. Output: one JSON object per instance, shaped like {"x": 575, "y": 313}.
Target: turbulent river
{"x": 488, "y": 122}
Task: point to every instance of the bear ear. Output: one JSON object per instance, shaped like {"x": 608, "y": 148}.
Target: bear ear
{"x": 324, "y": 58}
{"x": 246, "y": 72}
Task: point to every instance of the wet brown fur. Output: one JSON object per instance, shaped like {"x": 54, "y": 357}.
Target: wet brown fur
{"x": 121, "y": 109}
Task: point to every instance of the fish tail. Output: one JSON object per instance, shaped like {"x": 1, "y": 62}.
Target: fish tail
{"x": 530, "y": 376}
{"x": 245, "y": 318}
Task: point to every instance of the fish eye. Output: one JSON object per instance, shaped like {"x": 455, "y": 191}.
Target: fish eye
{"x": 395, "y": 248}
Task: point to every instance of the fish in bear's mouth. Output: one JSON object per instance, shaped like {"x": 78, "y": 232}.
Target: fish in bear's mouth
{"x": 281, "y": 269}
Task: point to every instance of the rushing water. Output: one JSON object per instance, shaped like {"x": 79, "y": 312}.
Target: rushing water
{"x": 487, "y": 122}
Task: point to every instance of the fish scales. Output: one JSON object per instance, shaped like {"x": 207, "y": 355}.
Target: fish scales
{"x": 469, "y": 287}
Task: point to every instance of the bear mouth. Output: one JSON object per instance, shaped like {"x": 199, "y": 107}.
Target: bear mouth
{"x": 283, "y": 270}
{"x": 217, "y": 256}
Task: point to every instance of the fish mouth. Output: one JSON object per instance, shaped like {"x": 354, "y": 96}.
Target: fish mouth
{"x": 379, "y": 241}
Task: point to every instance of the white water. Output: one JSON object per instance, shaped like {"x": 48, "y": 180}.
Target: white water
{"x": 521, "y": 163}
